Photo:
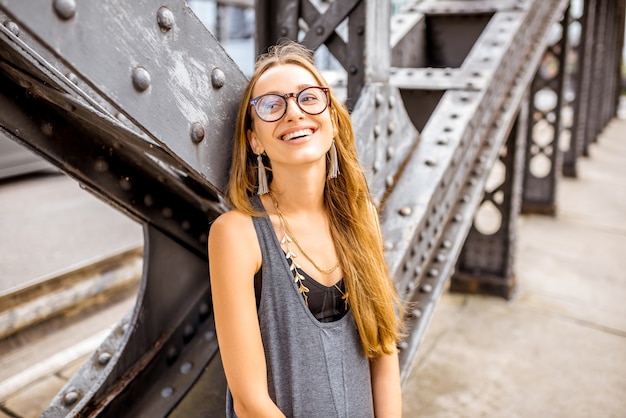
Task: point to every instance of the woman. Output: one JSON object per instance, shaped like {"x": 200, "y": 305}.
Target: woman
{"x": 305, "y": 311}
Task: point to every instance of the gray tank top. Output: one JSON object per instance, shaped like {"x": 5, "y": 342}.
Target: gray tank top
{"x": 314, "y": 369}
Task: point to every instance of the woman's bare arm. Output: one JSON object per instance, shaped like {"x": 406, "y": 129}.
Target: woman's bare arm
{"x": 234, "y": 258}
{"x": 386, "y": 388}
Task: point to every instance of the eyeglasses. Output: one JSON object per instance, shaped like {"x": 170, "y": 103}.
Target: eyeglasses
{"x": 271, "y": 107}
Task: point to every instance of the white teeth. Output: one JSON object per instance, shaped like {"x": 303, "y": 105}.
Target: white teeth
{"x": 297, "y": 134}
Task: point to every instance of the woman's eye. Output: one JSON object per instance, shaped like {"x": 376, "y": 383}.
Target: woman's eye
{"x": 271, "y": 104}
{"x": 308, "y": 98}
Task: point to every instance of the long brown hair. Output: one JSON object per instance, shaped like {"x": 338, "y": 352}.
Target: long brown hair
{"x": 372, "y": 295}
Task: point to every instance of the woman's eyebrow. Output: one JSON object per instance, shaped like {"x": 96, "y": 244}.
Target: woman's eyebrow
{"x": 299, "y": 87}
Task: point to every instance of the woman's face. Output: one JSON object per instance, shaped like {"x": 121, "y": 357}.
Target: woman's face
{"x": 297, "y": 138}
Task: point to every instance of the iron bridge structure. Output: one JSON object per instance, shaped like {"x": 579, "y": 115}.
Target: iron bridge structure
{"x": 467, "y": 112}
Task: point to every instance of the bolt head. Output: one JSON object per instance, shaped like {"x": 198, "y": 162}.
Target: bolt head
{"x": 165, "y": 19}
{"x": 141, "y": 79}
{"x": 218, "y": 78}
{"x": 65, "y": 9}
{"x": 197, "y": 132}
{"x": 12, "y": 27}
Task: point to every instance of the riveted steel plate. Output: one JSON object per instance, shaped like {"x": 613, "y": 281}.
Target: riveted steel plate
{"x": 172, "y": 79}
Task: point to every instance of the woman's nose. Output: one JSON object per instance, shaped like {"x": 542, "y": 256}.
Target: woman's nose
{"x": 293, "y": 110}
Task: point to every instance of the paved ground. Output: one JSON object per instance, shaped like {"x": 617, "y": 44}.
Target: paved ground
{"x": 557, "y": 349}
{"x": 49, "y": 225}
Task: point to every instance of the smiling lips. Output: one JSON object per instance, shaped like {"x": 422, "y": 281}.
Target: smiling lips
{"x": 297, "y": 134}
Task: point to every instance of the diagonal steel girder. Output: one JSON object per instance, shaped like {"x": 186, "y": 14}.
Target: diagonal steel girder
{"x": 428, "y": 211}
{"x": 136, "y": 102}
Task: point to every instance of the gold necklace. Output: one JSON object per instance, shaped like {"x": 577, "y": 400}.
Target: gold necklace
{"x": 291, "y": 238}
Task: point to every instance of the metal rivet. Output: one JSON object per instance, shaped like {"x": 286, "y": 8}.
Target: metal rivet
{"x": 101, "y": 166}
{"x": 165, "y": 19}
{"x": 47, "y": 129}
{"x": 418, "y": 271}
{"x": 72, "y": 77}
{"x": 203, "y": 311}
{"x": 433, "y": 273}
{"x": 141, "y": 79}
{"x": 353, "y": 70}
{"x": 204, "y": 238}
{"x": 377, "y": 131}
{"x": 442, "y": 141}
{"x": 185, "y": 225}
{"x": 218, "y": 78}
{"x": 458, "y": 217}
{"x": 284, "y": 31}
{"x": 389, "y": 181}
{"x": 148, "y": 200}
{"x": 209, "y": 335}
{"x": 167, "y": 392}
{"x": 104, "y": 358}
{"x": 186, "y": 367}
{"x": 390, "y": 152}
{"x": 430, "y": 162}
{"x": 70, "y": 398}
{"x": 427, "y": 288}
{"x": 360, "y": 30}
{"x": 416, "y": 313}
{"x": 125, "y": 184}
{"x": 172, "y": 355}
{"x": 446, "y": 244}
{"x": 197, "y": 132}
{"x": 65, "y": 9}
{"x": 388, "y": 245}
{"x": 167, "y": 212}
{"x": 391, "y": 128}
{"x": 406, "y": 211}
{"x": 319, "y": 30}
{"x": 188, "y": 332}
{"x": 403, "y": 345}
{"x": 12, "y": 27}
{"x": 392, "y": 102}
{"x": 378, "y": 99}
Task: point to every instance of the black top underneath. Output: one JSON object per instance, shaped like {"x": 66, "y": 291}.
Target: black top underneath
{"x": 325, "y": 303}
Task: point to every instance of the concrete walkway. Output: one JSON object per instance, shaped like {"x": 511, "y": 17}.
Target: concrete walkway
{"x": 558, "y": 348}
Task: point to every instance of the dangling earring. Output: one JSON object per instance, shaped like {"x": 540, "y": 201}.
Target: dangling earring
{"x": 333, "y": 169}
{"x": 261, "y": 175}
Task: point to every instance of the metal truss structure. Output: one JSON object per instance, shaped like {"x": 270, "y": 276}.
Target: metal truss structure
{"x": 461, "y": 109}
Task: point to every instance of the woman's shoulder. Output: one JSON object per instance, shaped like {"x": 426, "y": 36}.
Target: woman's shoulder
{"x": 232, "y": 223}
{"x": 232, "y": 236}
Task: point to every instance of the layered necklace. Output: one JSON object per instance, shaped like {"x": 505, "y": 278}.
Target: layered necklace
{"x": 289, "y": 238}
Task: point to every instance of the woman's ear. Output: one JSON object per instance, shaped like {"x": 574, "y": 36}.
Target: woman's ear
{"x": 254, "y": 142}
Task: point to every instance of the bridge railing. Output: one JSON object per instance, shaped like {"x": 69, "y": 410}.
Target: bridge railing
{"x": 460, "y": 110}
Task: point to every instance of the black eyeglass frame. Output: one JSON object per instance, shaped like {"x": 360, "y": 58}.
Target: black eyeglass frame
{"x": 286, "y": 96}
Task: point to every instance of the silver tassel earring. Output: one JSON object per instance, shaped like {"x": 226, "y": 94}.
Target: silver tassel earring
{"x": 333, "y": 170}
{"x": 261, "y": 175}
